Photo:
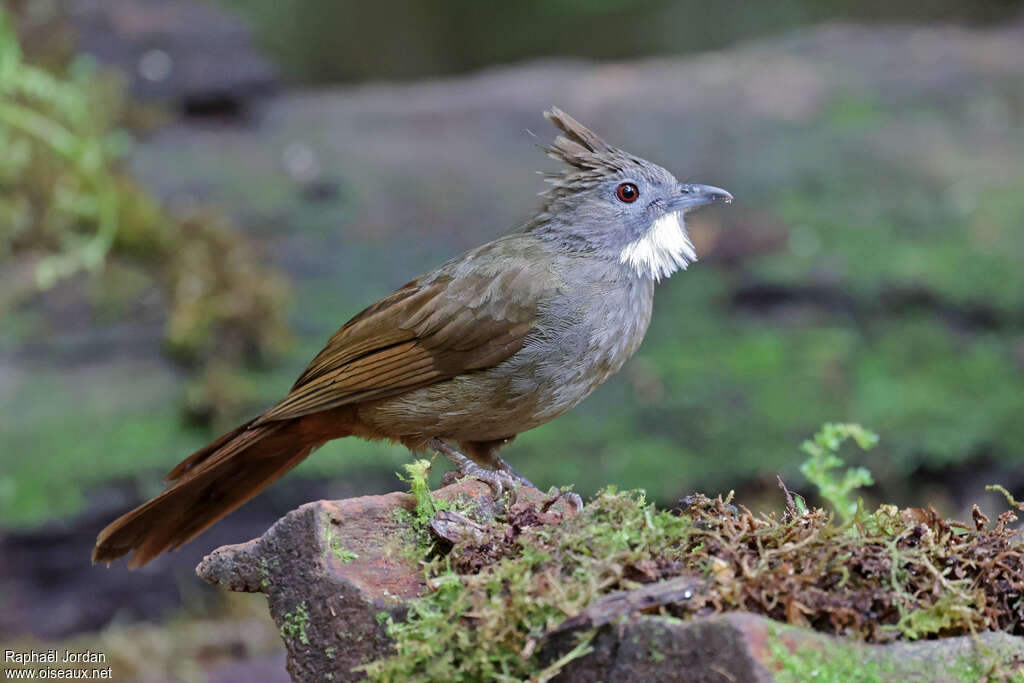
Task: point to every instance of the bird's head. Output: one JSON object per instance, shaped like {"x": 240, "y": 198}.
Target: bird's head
{"x": 617, "y": 205}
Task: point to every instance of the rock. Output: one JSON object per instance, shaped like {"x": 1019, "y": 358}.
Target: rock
{"x": 747, "y": 647}
{"x": 329, "y": 569}
{"x": 187, "y": 52}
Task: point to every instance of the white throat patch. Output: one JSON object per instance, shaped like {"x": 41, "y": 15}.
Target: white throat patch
{"x": 663, "y": 250}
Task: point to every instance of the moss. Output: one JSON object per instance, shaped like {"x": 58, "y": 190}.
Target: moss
{"x": 946, "y": 613}
{"x": 839, "y": 664}
{"x": 335, "y": 546}
{"x": 491, "y": 601}
{"x": 295, "y": 624}
{"x": 417, "y": 477}
{"x": 264, "y": 574}
{"x": 988, "y": 664}
{"x": 417, "y": 521}
{"x": 541, "y": 577}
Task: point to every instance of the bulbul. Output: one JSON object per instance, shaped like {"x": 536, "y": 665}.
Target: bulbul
{"x": 495, "y": 342}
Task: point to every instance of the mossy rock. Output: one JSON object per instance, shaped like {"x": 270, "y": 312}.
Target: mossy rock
{"x": 533, "y": 590}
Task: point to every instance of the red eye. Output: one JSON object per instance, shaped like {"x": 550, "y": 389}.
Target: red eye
{"x": 627, "y": 192}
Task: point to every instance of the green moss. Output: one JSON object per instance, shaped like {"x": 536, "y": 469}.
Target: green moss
{"x": 510, "y": 602}
{"x": 417, "y": 477}
{"x": 837, "y": 664}
{"x": 988, "y": 663}
{"x": 264, "y": 574}
{"x": 942, "y": 615}
{"x": 417, "y": 521}
{"x": 295, "y": 624}
{"x": 492, "y": 600}
{"x": 335, "y": 546}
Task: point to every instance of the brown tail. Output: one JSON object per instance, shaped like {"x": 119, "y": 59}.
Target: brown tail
{"x": 207, "y": 485}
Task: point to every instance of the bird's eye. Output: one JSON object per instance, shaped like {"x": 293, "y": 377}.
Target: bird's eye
{"x": 627, "y": 192}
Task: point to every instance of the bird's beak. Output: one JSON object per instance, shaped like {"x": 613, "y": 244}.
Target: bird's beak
{"x": 692, "y": 195}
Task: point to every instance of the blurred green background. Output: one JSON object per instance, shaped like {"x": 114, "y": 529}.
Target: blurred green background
{"x": 231, "y": 187}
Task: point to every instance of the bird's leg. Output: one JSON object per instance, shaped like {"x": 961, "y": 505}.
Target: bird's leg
{"x": 498, "y": 480}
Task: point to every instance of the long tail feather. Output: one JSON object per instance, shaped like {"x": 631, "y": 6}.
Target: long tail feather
{"x": 205, "y": 487}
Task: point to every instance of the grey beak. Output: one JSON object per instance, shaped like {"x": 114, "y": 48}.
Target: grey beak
{"x": 693, "y": 195}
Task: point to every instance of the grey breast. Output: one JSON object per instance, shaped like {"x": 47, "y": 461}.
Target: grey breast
{"x": 591, "y": 319}
{"x": 584, "y": 334}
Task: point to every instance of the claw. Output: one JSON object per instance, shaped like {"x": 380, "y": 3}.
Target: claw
{"x": 508, "y": 468}
{"x": 496, "y": 479}
{"x": 572, "y": 500}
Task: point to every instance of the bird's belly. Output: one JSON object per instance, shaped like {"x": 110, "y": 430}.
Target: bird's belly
{"x": 524, "y": 392}
{"x": 482, "y": 406}
{"x": 563, "y": 360}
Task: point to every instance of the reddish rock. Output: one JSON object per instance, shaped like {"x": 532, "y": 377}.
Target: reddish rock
{"x": 330, "y": 568}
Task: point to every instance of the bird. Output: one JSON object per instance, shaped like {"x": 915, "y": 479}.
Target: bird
{"x": 497, "y": 341}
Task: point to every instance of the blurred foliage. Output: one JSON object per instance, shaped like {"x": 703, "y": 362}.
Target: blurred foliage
{"x": 341, "y": 40}
{"x": 59, "y": 145}
{"x": 869, "y": 271}
{"x": 68, "y": 209}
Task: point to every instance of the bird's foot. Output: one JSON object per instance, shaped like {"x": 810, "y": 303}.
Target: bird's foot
{"x": 571, "y": 499}
{"x": 502, "y": 465}
{"x": 498, "y": 480}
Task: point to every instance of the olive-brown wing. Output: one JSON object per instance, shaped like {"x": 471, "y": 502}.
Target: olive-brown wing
{"x": 422, "y": 334}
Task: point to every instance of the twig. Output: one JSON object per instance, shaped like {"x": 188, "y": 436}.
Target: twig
{"x": 609, "y": 607}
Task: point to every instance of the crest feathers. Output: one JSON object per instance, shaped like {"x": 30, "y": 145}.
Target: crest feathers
{"x": 579, "y": 144}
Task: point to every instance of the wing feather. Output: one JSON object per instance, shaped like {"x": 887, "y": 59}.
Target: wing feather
{"x": 426, "y": 332}
{"x": 370, "y": 330}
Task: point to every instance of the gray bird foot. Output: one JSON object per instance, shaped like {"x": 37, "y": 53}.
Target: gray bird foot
{"x": 508, "y": 468}
{"x": 498, "y": 480}
{"x": 571, "y": 499}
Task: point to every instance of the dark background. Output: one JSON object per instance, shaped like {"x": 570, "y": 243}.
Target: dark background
{"x": 301, "y": 159}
